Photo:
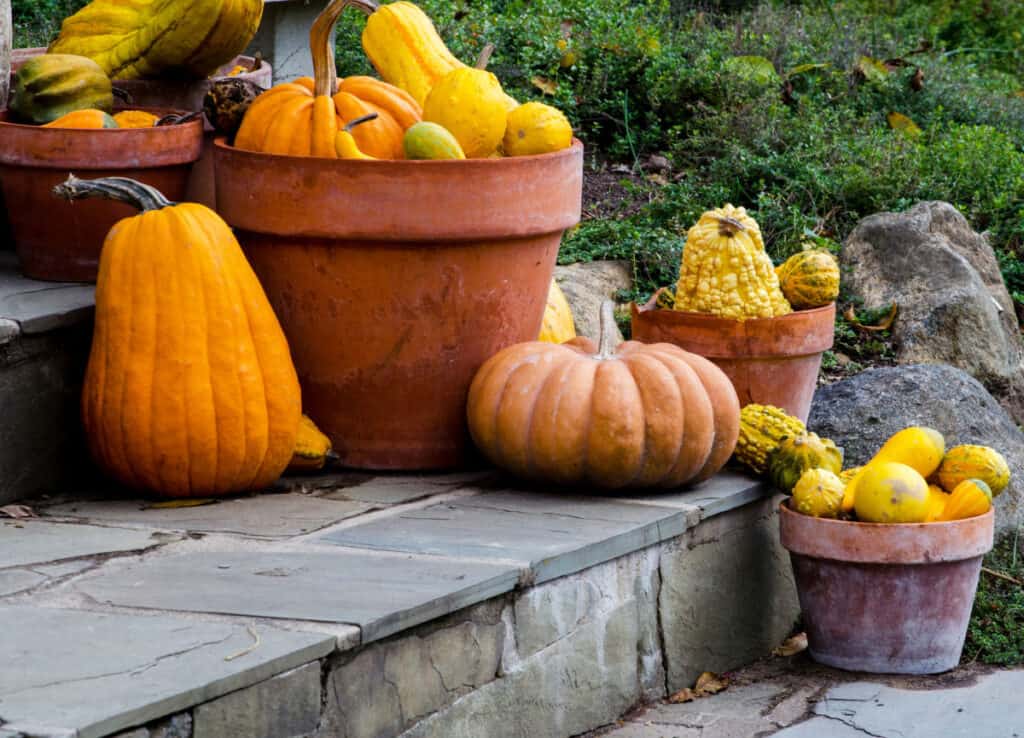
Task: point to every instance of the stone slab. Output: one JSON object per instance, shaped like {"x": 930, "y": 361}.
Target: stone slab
{"x": 553, "y": 535}
{"x": 271, "y": 515}
{"x": 381, "y": 489}
{"x": 18, "y": 580}
{"x": 380, "y": 593}
{"x": 31, "y": 541}
{"x": 42, "y": 306}
{"x": 725, "y": 491}
{"x": 90, "y": 674}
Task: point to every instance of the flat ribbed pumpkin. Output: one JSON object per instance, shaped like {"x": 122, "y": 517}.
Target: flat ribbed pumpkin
{"x": 303, "y": 117}
{"x": 190, "y": 388}
{"x": 638, "y": 416}
{"x": 150, "y": 38}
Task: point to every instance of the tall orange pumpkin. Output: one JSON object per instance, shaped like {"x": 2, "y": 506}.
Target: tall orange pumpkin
{"x": 190, "y": 388}
{"x": 639, "y": 416}
{"x": 302, "y": 118}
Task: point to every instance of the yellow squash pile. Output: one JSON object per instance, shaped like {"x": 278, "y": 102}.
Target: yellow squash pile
{"x": 911, "y": 479}
{"x": 725, "y": 271}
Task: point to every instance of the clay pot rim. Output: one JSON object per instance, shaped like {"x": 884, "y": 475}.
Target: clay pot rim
{"x": 221, "y": 142}
{"x": 887, "y": 543}
{"x": 652, "y": 307}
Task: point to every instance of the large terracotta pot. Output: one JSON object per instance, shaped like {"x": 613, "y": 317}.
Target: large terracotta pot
{"x": 771, "y": 361}
{"x": 179, "y": 94}
{"x": 395, "y": 280}
{"x": 61, "y": 241}
{"x": 886, "y": 598}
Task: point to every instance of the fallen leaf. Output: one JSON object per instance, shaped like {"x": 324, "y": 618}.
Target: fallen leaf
{"x": 792, "y": 646}
{"x": 710, "y": 683}
{"x": 903, "y": 124}
{"x": 886, "y": 324}
{"x": 871, "y": 70}
{"x": 545, "y": 85}
{"x": 752, "y": 68}
{"x": 248, "y": 649}
{"x": 17, "y": 511}
{"x": 683, "y": 695}
{"x": 184, "y": 502}
{"x": 657, "y": 178}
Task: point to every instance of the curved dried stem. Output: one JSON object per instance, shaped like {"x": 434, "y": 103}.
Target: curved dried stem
{"x": 606, "y": 345}
{"x": 122, "y": 189}
{"x": 729, "y": 226}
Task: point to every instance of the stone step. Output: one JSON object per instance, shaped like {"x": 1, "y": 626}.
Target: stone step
{"x": 381, "y": 606}
{"x": 45, "y": 330}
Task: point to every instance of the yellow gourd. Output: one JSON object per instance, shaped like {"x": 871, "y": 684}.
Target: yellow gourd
{"x": 135, "y": 119}
{"x": 918, "y": 447}
{"x": 970, "y": 498}
{"x": 890, "y": 492}
{"x": 809, "y": 279}
{"x": 83, "y": 119}
{"x": 846, "y": 475}
{"x": 974, "y": 462}
{"x": 470, "y": 104}
{"x": 937, "y": 500}
{"x": 536, "y": 128}
{"x": 762, "y": 429}
{"x": 345, "y": 143}
{"x": 725, "y": 270}
{"x": 818, "y": 493}
{"x": 311, "y": 447}
{"x": 558, "y": 325}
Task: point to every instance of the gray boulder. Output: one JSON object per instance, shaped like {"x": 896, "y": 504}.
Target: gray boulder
{"x": 861, "y": 412}
{"x": 953, "y": 306}
{"x": 586, "y": 285}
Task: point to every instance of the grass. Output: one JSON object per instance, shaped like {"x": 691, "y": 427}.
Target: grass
{"x": 996, "y": 631}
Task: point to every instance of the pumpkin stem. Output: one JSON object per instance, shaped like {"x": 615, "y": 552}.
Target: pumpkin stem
{"x": 134, "y": 193}
{"x": 608, "y": 338}
{"x": 359, "y": 121}
{"x": 325, "y": 74}
{"x": 485, "y": 56}
{"x": 729, "y": 227}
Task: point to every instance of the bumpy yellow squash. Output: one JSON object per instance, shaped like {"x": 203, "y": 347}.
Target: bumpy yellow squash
{"x": 725, "y": 270}
{"x": 558, "y": 325}
{"x": 818, "y": 492}
{"x": 809, "y": 279}
{"x": 974, "y": 462}
{"x": 150, "y": 38}
{"x": 797, "y": 454}
{"x": 762, "y": 429}
{"x": 49, "y": 86}
{"x": 970, "y": 498}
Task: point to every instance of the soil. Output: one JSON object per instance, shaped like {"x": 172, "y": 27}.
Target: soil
{"x": 611, "y": 191}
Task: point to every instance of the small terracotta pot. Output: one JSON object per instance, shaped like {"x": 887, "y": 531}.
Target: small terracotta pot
{"x": 886, "y": 598}
{"x": 395, "y": 280}
{"x": 771, "y": 361}
{"x": 61, "y": 240}
{"x": 179, "y": 94}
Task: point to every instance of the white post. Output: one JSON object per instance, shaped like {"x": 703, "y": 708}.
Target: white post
{"x": 6, "y": 40}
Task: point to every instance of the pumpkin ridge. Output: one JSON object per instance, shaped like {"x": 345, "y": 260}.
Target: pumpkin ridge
{"x": 529, "y": 460}
{"x": 617, "y": 472}
{"x": 635, "y": 360}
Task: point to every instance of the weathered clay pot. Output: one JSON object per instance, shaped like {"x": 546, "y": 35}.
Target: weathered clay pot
{"x": 61, "y": 240}
{"x": 886, "y": 598}
{"x": 395, "y": 280}
{"x": 179, "y": 94}
{"x": 771, "y": 361}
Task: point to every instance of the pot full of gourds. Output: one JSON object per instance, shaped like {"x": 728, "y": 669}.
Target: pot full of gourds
{"x": 404, "y": 228}
{"x": 886, "y": 555}
{"x": 766, "y": 327}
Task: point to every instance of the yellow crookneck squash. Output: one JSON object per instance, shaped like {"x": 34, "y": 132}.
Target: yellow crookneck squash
{"x": 150, "y": 38}
{"x": 303, "y": 118}
{"x": 190, "y": 388}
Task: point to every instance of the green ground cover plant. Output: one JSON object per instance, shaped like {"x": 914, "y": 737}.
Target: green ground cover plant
{"x": 996, "y": 632}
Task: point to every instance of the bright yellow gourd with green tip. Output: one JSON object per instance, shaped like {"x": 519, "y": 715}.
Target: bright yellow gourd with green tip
{"x": 471, "y": 105}
{"x": 797, "y": 454}
{"x": 558, "y": 325}
{"x": 970, "y": 498}
{"x": 919, "y": 447}
{"x": 809, "y": 279}
{"x": 431, "y": 141}
{"x": 84, "y": 119}
{"x": 725, "y": 270}
{"x": 152, "y": 38}
{"x": 974, "y": 462}
{"x": 762, "y": 429}
{"x": 890, "y": 492}
{"x": 818, "y": 492}
{"x": 49, "y": 86}
{"x": 536, "y": 128}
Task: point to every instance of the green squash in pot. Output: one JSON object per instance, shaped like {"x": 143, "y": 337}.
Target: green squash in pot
{"x": 798, "y": 454}
{"x": 50, "y": 86}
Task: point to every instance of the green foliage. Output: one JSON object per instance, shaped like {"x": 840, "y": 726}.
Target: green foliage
{"x": 36, "y": 22}
{"x": 996, "y": 631}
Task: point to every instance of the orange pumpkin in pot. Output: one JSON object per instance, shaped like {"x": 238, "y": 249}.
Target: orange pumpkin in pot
{"x": 638, "y": 416}
{"x": 302, "y": 118}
